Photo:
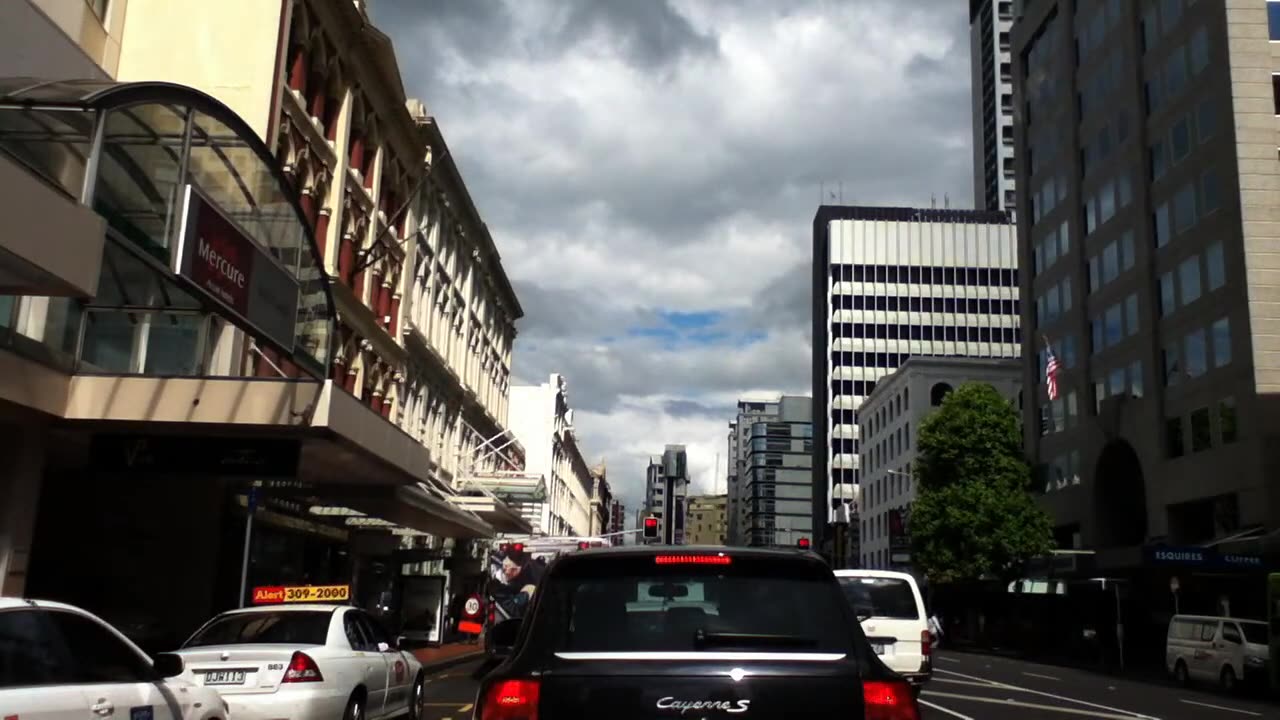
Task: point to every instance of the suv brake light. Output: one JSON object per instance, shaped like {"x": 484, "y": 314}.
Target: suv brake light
{"x": 889, "y": 700}
{"x": 511, "y": 700}
{"x": 692, "y": 560}
{"x": 926, "y": 643}
{"x": 302, "y": 669}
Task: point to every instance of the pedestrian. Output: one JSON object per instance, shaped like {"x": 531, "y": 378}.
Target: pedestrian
{"x": 935, "y": 631}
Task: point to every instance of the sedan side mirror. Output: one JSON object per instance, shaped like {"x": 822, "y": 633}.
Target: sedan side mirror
{"x": 168, "y": 665}
{"x": 503, "y": 636}
{"x": 383, "y": 647}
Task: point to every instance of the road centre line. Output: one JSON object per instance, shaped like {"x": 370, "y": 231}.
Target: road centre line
{"x": 1031, "y": 706}
{"x": 950, "y": 660}
{"x": 953, "y": 681}
{"x": 1221, "y": 707}
{"x": 1045, "y": 677}
{"x": 948, "y": 711}
{"x": 466, "y": 708}
{"x": 1007, "y": 686}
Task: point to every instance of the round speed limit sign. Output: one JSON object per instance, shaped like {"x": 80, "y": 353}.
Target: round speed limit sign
{"x": 472, "y": 607}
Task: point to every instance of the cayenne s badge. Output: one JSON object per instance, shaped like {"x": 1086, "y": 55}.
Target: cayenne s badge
{"x": 684, "y": 706}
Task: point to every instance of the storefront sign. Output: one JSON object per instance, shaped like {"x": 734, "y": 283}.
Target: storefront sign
{"x": 1201, "y": 557}
{"x": 276, "y": 594}
{"x": 228, "y": 267}
{"x": 192, "y": 455}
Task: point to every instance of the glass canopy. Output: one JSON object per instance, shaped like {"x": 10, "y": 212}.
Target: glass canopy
{"x": 130, "y": 149}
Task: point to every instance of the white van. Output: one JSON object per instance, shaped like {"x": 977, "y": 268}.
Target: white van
{"x": 892, "y": 613}
{"x": 1216, "y": 649}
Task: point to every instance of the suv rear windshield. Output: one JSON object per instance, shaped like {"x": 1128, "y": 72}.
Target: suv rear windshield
{"x": 754, "y": 603}
{"x": 880, "y": 597}
{"x": 295, "y": 627}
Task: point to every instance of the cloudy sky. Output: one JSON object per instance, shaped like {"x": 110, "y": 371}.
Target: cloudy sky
{"x": 650, "y": 171}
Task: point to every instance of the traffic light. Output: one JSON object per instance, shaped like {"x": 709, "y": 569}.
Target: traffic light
{"x": 583, "y": 544}
{"x": 803, "y": 543}
{"x": 517, "y": 547}
{"x": 650, "y": 528}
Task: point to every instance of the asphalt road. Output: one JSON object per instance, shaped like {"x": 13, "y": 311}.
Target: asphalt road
{"x": 980, "y": 687}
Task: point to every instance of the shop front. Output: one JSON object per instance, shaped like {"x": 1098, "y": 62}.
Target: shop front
{"x": 183, "y": 440}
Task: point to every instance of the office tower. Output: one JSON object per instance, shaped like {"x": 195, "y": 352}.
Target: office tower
{"x": 993, "y": 166}
{"x": 892, "y": 283}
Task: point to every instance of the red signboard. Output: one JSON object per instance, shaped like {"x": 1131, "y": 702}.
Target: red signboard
{"x": 268, "y": 595}
{"x": 232, "y": 268}
{"x": 223, "y": 260}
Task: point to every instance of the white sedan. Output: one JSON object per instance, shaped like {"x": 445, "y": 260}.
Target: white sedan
{"x": 58, "y": 662}
{"x": 304, "y": 662}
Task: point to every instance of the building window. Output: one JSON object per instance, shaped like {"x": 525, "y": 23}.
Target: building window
{"x": 1275, "y": 82}
{"x": 1169, "y": 358}
{"x": 1227, "y": 419}
{"x": 1221, "y": 342}
{"x": 1162, "y": 225}
{"x": 1167, "y": 301}
{"x": 1273, "y": 19}
{"x": 1214, "y": 266}
{"x": 100, "y": 8}
{"x": 938, "y": 393}
{"x": 1189, "y": 278}
{"x": 1201, "y": 436}
{"x": 1173, "y": 437}
{"x": 1197, "y": 362}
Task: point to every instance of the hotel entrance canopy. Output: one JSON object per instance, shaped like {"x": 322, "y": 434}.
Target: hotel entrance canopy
{"x": 193, "y": 221}
{"x": 166, "y": 165}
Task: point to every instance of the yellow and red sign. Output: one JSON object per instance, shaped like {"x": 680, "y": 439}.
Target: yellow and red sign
{"x": 277, "y": 594}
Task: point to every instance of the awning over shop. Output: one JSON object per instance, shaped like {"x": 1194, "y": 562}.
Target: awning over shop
{"x": 413, "y": 507}
{"x": 511, "y": 487}
{"x": 342, "y": 440}
{"x": 502, "y": 517}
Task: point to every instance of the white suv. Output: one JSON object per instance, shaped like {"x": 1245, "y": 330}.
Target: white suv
{"x": 58, "y": 662}
{"x": 892, "y": 613}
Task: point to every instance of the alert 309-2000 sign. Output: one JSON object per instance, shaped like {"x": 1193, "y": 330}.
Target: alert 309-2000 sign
{"x": 274, "y": 594}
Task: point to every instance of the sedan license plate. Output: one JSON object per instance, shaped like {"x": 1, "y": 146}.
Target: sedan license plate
{"x": 224, "y": 677}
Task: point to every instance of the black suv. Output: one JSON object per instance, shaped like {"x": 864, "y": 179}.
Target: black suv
{"x": 689, "y": 632}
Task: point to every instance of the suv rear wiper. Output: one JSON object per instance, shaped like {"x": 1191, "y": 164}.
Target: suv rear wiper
{"x": 703, "y": 639}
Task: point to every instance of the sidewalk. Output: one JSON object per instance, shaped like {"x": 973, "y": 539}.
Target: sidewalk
{"x": 434, "y": 659}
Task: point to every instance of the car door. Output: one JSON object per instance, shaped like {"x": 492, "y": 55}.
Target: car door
{"x": 36, "y": 672}
{"x": 398, "y": 680}
{"x": 1205, "y": 658}
{"x": 115, "y": 679}
{"x": 370, "y": 665}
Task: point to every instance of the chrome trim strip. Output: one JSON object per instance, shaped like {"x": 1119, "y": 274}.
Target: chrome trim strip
{"x": 724, "y": 656}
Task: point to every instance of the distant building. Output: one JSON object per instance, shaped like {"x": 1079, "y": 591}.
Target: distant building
{"x": 890, "y": 419}
{"x": 617, "y": 518}
{"x": 543, "y": 421}
{"x": 992, "y": 68}
{"x": 601, "y": 500}
{"x": 705, "y": 520}
{"x": 666, "y": 488}
{"x": 891, "y": 283}
{"x": 739, "y": 442}
{"x": 778, "y": 481}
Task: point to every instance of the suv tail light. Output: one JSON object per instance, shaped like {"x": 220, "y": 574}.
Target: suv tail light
{"x": 926, "y": 643}
{"x": 510, "y": 700}
{"x": 888, "y": 700}
{"x": 302, "y": 669}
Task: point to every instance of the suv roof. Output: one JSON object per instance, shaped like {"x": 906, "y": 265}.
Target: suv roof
{"x": 857, "y": 572}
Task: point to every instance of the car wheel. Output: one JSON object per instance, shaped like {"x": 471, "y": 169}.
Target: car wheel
{"x": 1228, "y": 679}
{"x": 418, "y": 700}
{"x": 355, "y": 708}
{"x": 1180, "y": 675}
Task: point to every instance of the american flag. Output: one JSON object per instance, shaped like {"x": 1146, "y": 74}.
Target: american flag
{"x": 1051, "y": 372}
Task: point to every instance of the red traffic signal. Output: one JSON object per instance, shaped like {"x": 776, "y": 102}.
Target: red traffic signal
{"x": 651, "y": 527}
{"x": 803, "y": 543}
{"x": 583, "y": 544}
{"x": 503, "y": 547}
{"x": 517, "y": 547}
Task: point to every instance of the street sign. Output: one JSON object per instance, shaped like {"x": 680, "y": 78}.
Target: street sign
{"x": 472, "y": 607}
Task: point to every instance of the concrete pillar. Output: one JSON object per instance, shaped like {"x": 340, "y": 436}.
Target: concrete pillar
{"x": 22, "y": 446}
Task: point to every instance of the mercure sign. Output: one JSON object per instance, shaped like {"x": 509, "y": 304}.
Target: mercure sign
{"x": 225, "y": 264}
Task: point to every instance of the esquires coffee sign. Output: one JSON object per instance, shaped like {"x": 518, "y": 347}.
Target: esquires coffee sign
{"x": 228, "y": 267}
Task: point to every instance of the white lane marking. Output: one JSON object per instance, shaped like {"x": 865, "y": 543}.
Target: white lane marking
{"x": 1220, "y": 707}
{"x": 970, "y": 683}
{"x": 951, "y": 660}
{"x": 1045, "y": 677}
{"x": 1031, "y": 706}
{"x": 1048, "y": 695}
{"x": 948, "y": 711}
{"x": 466, "y": 708}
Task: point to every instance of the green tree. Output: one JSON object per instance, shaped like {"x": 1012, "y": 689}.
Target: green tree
{"x": 973, "y": 516}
